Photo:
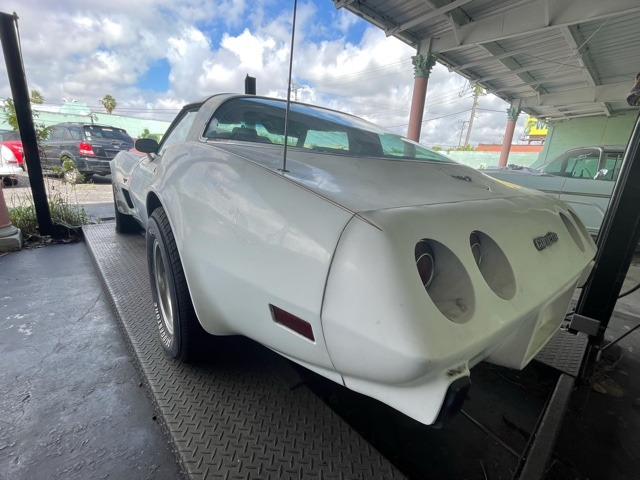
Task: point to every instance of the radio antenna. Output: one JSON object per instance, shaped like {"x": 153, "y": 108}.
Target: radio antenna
{"x": 286, "y": 112}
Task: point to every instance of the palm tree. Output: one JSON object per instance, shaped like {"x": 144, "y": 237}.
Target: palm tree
{"x": 36, "y": 97}
{"x": 109, "y": 103}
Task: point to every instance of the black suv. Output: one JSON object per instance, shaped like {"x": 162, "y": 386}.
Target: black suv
{"x": 90, "y": 147}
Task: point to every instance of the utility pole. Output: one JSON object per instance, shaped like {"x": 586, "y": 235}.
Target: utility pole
{"x": 477, "y": 91}
{"x": 463, "y": 122}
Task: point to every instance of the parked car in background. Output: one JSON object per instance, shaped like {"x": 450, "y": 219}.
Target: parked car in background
{"x": 370, "y": 259}
{"x": 9, "y": 166}
{"x": 11, "y": 139}
{"x": 90, "y": 147}
{"x": 583, "y": 177}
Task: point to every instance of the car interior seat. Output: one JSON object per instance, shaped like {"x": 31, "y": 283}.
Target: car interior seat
{"x": 247, "y": 134}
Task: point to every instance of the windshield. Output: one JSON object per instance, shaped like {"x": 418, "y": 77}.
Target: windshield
{"x": 261, "y": 120}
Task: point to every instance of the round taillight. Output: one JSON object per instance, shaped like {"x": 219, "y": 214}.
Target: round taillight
{"x": 476, "y": 247}
{"x": 425, "y": 262}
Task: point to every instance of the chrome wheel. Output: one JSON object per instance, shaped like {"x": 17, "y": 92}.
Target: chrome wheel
{"x": 162, "y": 287}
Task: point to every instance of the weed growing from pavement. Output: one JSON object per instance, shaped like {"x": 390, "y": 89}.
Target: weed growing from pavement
{"x": 63, "y": 203}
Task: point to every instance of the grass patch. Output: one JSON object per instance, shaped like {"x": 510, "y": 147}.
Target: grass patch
{"x": 63, "y": 212}
{"x": 63, "y": 202}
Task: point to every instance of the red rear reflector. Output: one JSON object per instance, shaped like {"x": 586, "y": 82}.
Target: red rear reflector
{"x": 86, "y": 149}
{"x": 292, "y": 322}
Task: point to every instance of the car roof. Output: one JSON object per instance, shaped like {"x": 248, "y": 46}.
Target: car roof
{"x": 227, "y": 96}
{"x": 616, "y": 148}
{"x": 85, "y": 124}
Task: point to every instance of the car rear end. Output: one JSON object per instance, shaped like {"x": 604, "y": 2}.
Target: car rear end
{"x": 9, "y": 164}
{"x": 98, "y": 146}
{"x": 418, "y": 295}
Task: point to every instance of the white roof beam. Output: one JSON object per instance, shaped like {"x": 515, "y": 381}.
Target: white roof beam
{"x": 511, "y": 53}
{"x": 425, "y": 17}
{"x": 532, "y": 17}
{"x": 508, "y": 62}
{"x": 379, "y": 20}
{"x": 517, "y": 71}
{"x": 564, "y": 117}
{"x": 615, "y": 92}
{"x": 584, "y": 59}
{"x": 343, "y": 3}
{"x": 565, "y": 78}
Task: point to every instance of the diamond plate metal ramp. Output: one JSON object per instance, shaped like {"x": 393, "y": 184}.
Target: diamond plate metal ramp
{"x": 231, "y": 417}
{"x": 565, "y": 352}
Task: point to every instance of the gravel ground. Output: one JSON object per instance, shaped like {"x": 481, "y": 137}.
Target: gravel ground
{"x": 95, "y": 196}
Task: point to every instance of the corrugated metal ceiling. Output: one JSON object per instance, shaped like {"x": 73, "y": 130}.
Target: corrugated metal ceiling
{"x": 553, "y": 58}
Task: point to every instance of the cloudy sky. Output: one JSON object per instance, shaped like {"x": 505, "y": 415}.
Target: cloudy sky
{"x": 153, "y": 56}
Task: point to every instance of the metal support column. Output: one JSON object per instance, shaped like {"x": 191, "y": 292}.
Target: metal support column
{"x": 20, "y": 93}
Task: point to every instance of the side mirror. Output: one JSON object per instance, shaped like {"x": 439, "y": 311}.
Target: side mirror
{"x": 146, "y": 145}
{"x": 602, "y": 173}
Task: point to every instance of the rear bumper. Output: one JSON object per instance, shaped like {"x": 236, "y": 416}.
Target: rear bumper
{"x": 8, "y": 170}
{"x": 93, "y": 165}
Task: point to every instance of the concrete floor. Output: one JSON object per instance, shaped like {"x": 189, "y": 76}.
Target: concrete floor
{"x": 71, "y": 402}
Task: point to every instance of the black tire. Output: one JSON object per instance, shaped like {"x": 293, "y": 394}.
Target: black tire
{"x": 181, "y": 334}
{"x": 10, "y": 181}
{"x": 124, "y": 223}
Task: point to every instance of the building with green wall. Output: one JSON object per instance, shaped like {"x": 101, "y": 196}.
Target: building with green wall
{"x": 578, "y": 132}
{"x": 80, "y": 112}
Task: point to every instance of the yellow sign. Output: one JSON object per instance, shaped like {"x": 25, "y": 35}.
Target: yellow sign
{"x": 534, "y": 127}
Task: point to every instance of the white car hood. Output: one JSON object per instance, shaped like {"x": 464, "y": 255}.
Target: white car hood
{"x": 364, "y": 184}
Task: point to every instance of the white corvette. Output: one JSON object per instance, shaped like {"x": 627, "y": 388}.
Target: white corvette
{"x": 364, "y": 257}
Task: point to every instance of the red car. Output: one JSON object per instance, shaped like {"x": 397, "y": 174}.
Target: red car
{"x": 11, "y": 139}
{"x": 11, "y": 159}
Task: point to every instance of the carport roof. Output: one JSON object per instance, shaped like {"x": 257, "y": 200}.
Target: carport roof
{"x": 554, "y": 58}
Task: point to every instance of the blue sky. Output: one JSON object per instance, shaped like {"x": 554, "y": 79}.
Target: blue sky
{"x": 156, "y": 78}
{"x": 154, "y": 56}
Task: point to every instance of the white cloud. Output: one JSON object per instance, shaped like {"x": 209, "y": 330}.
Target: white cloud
{"x": 90, "y": 48}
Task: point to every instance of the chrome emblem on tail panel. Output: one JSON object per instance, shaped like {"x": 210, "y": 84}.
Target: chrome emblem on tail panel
{"x": 543, "y": 242}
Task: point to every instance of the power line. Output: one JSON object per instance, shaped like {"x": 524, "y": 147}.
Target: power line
{"x": 430, "y": 119}
{"x": 433, "y": 101}
{"x": 336, "y": 80}
{"x": 364, "y": 78}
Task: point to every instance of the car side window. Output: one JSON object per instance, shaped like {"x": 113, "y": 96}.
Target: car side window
{"x": 612, "y": 163}
{"x": 57, "y": 133}
{"x": 76, "y": 134}
{"x": 179, "y": 131}
{"x": 585, "y": 167}
{"x": 574, "y": 164}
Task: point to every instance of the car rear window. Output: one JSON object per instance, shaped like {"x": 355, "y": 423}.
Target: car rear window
{"x": 93, "y": 132}
{"x": 262, "y": 120}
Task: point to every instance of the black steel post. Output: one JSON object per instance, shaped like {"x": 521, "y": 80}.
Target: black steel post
{"x": 20, "y": 93}
{"x": 617, "y": 241}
